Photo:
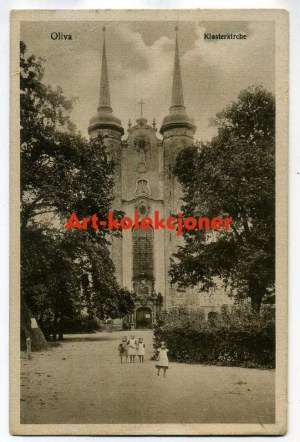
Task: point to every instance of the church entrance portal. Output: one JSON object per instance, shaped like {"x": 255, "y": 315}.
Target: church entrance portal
{"x": 143, "y": 317}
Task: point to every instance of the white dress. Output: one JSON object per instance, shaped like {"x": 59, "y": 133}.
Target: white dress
{"x": 132, "y": 347}
{"x": 141, "y": 349}
{"x": 163, "y": 360}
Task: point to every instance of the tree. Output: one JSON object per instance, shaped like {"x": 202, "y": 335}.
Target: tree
{"x": 61, "y": 173}
{"x": 233, "y": 175}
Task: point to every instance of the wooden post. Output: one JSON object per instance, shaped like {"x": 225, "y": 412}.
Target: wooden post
{"x": 28, "y": 346}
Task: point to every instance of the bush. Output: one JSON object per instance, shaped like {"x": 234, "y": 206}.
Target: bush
{"x": 234, "y": 337}
{"x": 82, "y": 324}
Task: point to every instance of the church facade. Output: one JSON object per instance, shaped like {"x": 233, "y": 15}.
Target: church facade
{"x": 144, "y": 182}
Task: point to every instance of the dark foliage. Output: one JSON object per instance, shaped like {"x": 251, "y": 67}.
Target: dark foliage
{"x": 234, "y": 176}
{"x": 62, "y": 272}
{"x": 81, "y": 324}
{"x": 236, "y": 337}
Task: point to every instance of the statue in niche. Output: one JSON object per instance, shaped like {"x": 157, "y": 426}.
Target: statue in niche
{"x": 142, "y": 145}
{"x": 142, "y": 289}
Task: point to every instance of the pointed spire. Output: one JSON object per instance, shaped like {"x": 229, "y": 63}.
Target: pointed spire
{"x": 105, "y": 118}
{"x": 177, "y": 115}
{"x": 104, "y": 98}
{"x": 177, "y": 91}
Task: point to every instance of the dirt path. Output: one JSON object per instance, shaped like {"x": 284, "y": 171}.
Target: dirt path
{"x": 83, "y": 382}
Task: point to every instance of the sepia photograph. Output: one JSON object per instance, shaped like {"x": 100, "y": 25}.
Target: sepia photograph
{"x": 149, "y": 211}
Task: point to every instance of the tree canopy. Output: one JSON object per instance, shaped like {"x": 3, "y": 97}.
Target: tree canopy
{"x": 62, "y": 172}
{"x": 232, "y": 175}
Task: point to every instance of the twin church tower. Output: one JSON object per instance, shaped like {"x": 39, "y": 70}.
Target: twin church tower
{"x": 144, "y": 181}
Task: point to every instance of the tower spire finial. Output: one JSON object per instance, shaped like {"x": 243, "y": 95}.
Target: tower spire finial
{"x": 177, "y": 117}
{"x": 104, "y": 97}
{"x": 177, "y": 91}
{"x": 105, "y": 118}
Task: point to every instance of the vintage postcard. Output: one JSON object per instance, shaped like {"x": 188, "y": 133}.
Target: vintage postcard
{"x": 149, "y": 222}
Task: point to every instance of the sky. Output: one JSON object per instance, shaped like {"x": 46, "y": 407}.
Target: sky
{"x": 140, "y": 65}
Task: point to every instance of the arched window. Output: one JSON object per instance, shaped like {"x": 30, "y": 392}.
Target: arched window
{"x": 142, "y": 254}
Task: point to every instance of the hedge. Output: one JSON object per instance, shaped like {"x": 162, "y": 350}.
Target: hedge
{"x": 234, "y": 337}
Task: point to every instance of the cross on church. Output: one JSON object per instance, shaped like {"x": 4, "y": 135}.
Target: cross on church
{"x": 141, "y": 104}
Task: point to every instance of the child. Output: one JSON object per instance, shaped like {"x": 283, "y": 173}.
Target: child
{"x": 163, "y": 359}
{"x": 123, "y": 349}
{"x": 141, "y": 350}
{"x": 132, "y": 348}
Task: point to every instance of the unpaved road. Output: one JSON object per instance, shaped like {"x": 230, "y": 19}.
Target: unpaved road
{"x": 82, "y": 381}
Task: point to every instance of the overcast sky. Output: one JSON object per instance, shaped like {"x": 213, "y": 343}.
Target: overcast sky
{"x": 140, "y": 64}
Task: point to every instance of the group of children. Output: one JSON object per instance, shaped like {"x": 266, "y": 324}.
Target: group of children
{"x": 132, "y": 348}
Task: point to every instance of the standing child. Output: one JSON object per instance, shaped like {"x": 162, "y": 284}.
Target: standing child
{"x": 162, "y": 358}
{"x": 123, "y": 349}
{"x": 141, "y": 350}
{"x": 132, "y": 347}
